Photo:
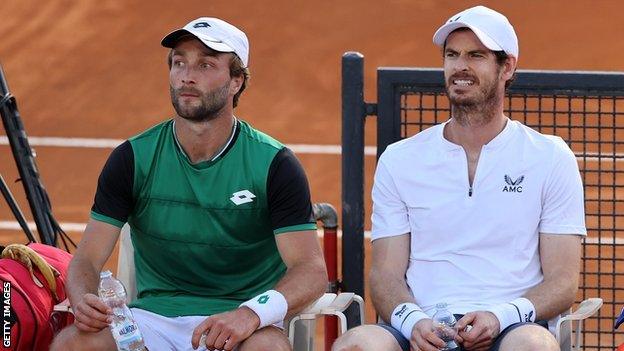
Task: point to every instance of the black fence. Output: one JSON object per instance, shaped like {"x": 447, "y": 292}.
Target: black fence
{"x": 584, "y": 108}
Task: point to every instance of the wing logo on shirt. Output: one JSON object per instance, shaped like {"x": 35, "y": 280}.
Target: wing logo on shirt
{"x": 513, "y": 186}
{"x": 242, "y": 197}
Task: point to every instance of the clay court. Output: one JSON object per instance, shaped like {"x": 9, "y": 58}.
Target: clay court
{"x": 96, "y": 71}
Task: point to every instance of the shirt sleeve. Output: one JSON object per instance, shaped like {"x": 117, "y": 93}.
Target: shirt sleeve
{"x": 113, "y": 198}
{"x": 288, "y": 195}
{"x": 563, "y": 206}
{"x": 390, "y": 215}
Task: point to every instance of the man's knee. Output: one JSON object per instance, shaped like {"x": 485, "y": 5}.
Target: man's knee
{"x": 73, "y": 339}
{"x": 266, "y": 339}
{"x": 528, "y": 338}
{"x": 366, "y": 338}
{"x": 350, "y": 341}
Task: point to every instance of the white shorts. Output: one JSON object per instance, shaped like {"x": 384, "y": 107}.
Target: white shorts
{"x": 167, "y": 333}
{"x": 162, "y": 333}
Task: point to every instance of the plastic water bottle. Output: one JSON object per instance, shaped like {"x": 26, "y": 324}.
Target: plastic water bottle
{"x": 123, "y": 327}
{"x": 444, "y": 326}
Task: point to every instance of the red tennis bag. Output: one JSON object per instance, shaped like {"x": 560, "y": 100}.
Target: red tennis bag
{"x": 28, "y": 299}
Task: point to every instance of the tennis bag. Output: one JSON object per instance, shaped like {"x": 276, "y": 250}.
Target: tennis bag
{"x": 33, "y": 281}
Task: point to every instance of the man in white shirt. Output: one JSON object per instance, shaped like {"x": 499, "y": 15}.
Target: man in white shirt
{"x": 479, "y": 212}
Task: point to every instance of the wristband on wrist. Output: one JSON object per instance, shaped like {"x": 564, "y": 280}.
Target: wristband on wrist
{"x": 270, "y": 306}
{"x": 520, "y": 310}
{"x": 405, "y": 316}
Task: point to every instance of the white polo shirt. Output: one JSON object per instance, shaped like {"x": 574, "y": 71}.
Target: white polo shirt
{"x": 474, "y": 251}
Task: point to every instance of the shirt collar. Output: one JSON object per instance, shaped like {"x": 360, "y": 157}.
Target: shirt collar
{"x": 221, "y": 151}
{"x": 499, "y": 140}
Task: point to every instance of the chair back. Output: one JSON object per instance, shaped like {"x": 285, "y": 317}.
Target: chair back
{"x": 125, "y": 263}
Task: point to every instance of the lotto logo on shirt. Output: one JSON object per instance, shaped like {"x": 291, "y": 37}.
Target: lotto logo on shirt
{"x": 242, "y": 197}
{"x": 6, "y": 314}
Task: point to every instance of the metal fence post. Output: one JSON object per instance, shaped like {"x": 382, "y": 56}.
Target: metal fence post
{"x": 353, "y": 118}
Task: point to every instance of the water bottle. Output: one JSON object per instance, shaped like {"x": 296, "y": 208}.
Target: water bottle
{"x": 123, "y": 327}
{"x": 444, "y": 326}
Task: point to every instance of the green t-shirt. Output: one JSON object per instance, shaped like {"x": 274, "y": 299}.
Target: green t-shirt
{"x": 204, "y": 234}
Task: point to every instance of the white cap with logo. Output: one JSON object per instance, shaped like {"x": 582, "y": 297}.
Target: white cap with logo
{"x": 491, "y": 27}
{"x": 214, "y": 33}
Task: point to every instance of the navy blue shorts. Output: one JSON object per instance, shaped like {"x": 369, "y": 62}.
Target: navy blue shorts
{"x": 405, "y": 345}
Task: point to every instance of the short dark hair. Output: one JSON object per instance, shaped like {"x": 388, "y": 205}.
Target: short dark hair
{"x": 501, "y": 58}
{"x": 237, "y": 69}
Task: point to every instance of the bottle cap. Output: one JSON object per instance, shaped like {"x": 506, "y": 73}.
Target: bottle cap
{"x": 106, "y": 274}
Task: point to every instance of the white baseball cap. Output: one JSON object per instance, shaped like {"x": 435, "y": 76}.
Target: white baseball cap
{"x": 214, "y": 33}
{"x": 491, "y": 27}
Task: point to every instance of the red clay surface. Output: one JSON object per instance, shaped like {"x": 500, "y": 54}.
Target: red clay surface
{"x": 96, "y": 70}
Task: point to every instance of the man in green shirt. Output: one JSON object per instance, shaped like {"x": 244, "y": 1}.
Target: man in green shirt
{"x": 220, "y": 216}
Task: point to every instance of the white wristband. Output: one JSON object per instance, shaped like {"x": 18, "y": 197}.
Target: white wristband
{"x": 405, "y": 316}
{"x": 270, "y": 306}
{"x": 520, "y": 310}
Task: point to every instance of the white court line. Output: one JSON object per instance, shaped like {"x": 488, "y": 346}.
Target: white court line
{"x": 97, "y": 143}
{"x": 317, "y": 149}
{"x": 80, "y": 227}
{"x": 66, "y": 226}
